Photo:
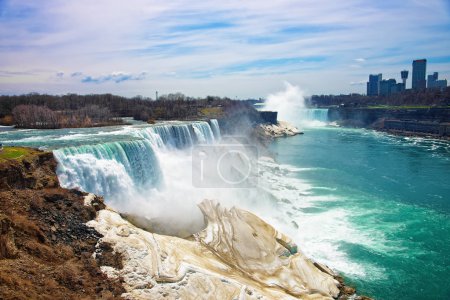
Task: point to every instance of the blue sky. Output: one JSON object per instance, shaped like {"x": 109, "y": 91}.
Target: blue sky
{"x": 227, "y": 48}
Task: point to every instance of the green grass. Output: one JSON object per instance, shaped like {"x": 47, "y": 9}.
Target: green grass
{"x": 211, "y": 112}
{"x": 10, "y": 153}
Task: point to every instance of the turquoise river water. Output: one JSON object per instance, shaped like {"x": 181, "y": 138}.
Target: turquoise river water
{"x": 392, "y": 196}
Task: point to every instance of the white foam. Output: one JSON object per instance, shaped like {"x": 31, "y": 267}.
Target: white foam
{"x": 320, "y": 233}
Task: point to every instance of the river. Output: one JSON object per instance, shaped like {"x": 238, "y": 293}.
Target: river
{"x": 372, "y": 206}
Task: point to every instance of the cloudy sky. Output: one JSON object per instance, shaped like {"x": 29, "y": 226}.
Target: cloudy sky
{"x": 227, "y": 48}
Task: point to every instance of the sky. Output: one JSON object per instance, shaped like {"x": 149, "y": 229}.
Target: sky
{"x": 233, "y": 48}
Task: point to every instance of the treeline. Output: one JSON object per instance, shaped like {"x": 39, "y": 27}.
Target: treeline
{"x": 117, "y": 105}
{"x": 429, "y": 97}
{"x": 50, "y": 111}
{"x": 33, "y": 116}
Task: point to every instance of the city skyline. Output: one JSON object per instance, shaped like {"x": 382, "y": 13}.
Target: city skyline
{"x": 229, "y": 49}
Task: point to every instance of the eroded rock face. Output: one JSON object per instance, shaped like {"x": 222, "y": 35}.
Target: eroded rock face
{"x": 45, "y": 246}
{"x": 281, "y": 129}
{"x": 267, "y": 256}
{"x": 35, "y": 171}
{"x": 238, "y": 255}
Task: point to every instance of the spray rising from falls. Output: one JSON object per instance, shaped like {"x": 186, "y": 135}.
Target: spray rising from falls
{"x": 117, "y": 170}
{"x": 291, "y": 106}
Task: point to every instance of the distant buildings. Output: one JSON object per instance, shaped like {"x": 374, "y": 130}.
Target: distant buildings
{"x": 434, "y": 82}
{"x": 379, "y": 87}
{"x": 376, "y": 86}
{"x": 390, "y": 86}
{"x": 373, "y": 86}
{"x": 418, "y": 74}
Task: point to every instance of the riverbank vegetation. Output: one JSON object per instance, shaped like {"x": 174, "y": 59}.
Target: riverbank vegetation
{"x": 71, "y": 110}
{"x": 12, "y": 153}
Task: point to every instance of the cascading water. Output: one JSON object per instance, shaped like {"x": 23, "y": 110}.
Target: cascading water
{"x": 131, "y": 168}
{"x": 177, "y": 136}
{"x": 310, "y": 117}
{"x": 109, "y": 169}
{"x": 215, "y": 128}
{"x": 203, "y": 132}
{"x": 291, "y": 107}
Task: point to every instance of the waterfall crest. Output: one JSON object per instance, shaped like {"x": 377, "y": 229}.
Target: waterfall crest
{"x": 124, "y": 168}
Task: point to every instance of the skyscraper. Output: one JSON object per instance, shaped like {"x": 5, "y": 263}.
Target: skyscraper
{"x": 418, "y": 74}
{"x": 404, "y": 75}
{"x": 373, "y": 86}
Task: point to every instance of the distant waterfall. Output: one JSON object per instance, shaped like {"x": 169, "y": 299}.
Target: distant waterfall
{"x": 177, "y": 136}
{"x": 313, "y": 116}
{"x": 215, "y": 128}
{"x": 203, "y": 132}
{"x": 128, "y": 167}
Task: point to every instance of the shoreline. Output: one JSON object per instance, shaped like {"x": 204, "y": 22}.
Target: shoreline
{"x": 401, "y": 133}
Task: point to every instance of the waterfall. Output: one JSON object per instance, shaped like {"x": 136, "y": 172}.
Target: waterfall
{"x": 177, "y": 136}
{"x": 124, "y": 168}
{"x": 313, "y": 116}
{"x": 215, "y": 128}
{"x": 109, "y": 169}
{"x": 203, "y": 132}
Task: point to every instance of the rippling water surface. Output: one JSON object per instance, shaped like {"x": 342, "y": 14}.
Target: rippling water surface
{"x": 374, "y": 206}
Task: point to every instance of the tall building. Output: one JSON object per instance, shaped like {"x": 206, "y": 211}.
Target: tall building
{"x": 373, "y": 86}
{"x": 388, "y": 87}
{"x": 418, "y": 74}
{"x": 404, "y": 75}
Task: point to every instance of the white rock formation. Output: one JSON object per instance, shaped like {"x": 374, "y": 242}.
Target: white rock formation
{"x": 279, "y": 130}
{"x": 237, "y": 256}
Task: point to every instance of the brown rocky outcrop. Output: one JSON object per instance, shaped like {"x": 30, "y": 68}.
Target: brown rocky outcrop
{"x": 34, "y": 171}
{"x": 45, "y": 247}
{"x": 7, "y": 245}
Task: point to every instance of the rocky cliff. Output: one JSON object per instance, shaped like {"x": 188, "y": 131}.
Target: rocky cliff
{"x": 433, "y": 122}
{"x": 45, "y": 247}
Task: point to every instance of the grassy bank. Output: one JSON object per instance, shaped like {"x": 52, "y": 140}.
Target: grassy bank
{"x": 11, "y": 153}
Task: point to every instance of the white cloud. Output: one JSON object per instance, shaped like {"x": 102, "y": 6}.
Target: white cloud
{"x": 361, "y": 82}
{"x": 92, "y": 39}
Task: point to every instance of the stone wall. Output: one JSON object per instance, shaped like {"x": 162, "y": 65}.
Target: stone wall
{"x": 269, "y": 117}
{"x": 434, "y": 121}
